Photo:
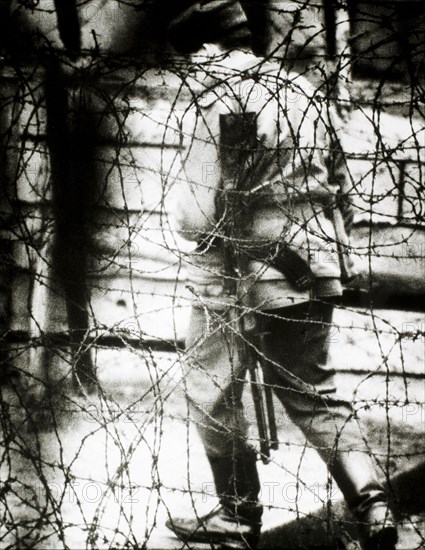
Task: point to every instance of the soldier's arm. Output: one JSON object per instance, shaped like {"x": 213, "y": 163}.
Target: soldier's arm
{"x": 195, "y": 211}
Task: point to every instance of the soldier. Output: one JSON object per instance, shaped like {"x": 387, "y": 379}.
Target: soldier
{"x": 285, "y": 195}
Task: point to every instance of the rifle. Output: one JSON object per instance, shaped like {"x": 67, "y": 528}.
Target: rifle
{"x": 238, "y": 134}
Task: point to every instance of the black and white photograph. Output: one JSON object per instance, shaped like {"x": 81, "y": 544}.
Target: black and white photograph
{"x": 212, "y": 274}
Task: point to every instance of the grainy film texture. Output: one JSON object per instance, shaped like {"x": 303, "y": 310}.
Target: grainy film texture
{"x": 211, "y": 257}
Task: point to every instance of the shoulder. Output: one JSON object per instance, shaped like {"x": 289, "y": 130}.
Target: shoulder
{"x": 230, "y": 77}
{"x": 290, "y": 89}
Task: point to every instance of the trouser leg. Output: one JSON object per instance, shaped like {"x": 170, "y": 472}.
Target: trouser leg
{"x": 297, "y": 347}
{"x": 214, "y": 381}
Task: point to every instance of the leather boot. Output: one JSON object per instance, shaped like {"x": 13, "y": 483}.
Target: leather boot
{"x": 356, "y": 476}
{"x": 236, "y": 522}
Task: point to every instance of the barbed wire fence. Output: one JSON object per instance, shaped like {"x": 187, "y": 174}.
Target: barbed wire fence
{"x": 97, "y": 450}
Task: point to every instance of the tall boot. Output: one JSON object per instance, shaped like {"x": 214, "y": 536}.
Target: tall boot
{"x": 356, "y": 476}
{"x": 236, "y": 523}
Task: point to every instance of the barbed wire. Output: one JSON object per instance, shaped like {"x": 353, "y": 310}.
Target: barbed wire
{"x": 99, "y": 446}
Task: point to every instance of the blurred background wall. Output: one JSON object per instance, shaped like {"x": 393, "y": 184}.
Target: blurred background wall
{"x": 91, "y": 144}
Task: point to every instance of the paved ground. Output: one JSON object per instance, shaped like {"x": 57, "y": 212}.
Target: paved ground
{"x": 115, "y": 466}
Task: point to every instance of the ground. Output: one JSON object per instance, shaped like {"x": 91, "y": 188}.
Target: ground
{"x": 111, "y": 467}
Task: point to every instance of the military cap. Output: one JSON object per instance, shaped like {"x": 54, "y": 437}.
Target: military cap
{"x": 215, "y": 21}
